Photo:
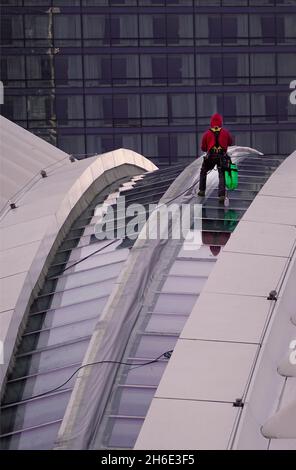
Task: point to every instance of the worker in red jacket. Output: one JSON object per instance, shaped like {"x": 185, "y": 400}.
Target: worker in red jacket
{"x": 215, "y": 142}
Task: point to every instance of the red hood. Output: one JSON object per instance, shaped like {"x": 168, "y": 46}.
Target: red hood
{"x": 216, "y": 120}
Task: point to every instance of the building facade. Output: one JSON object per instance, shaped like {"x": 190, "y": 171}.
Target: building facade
{"x": 94, "y": 75}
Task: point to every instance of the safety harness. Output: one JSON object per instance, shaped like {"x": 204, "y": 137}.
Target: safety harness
{"x": 230, "y": 169}
{"x": 217, "y": 147}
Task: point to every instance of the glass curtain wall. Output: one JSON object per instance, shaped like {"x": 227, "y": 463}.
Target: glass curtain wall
{"x": 91, "y": 76}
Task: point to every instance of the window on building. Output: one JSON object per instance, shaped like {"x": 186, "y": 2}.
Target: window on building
{"x": 286, "y": 28}
{"x": 73, "y": 144}
{"x": 14, "y": 108}
{"x": 97, "y": 70}
{"x": 159, "y": 69}
{"x": 119, "y": 70}
{"x": 125, "y": 69}
{"x": 215, "y": 29}
{"x": 69, "y": 110}
{"x": 68, "y": 70}
{"x": 182, "y": 146}
{"x": 268, "y": 28}
{"x": 182, "y": 109}
{"x": 126, "y": 110}
{"x": 181, "y": 69}
{"x": 265, "y": 142}
{"x": 216, "y": 70}
{"x": 208, "y": 104}
{"x": 175, "y": 65}
{"x": 287, "y": 142}
{"x": 38, "y": 30}
{"x": 263, "y": 107}
{"x": 67, "y": 30}
{"x": 40, "y": 108}
{"x": 159, "y": 29}
{"x": 230, "y": 69}
{"x": 286, "y": 67}
{"x": 157, "y": 146}
{"x": 11, "y": 31}
{"x": 98, "y": 110}
{"x": 121, "y": 29}
{"x": 96, "y": 30}
{"x": 229, "y": 29}
{"x": 154, "y": 110}
{"x": 262, "y": 68}
{"x": 13, "y": 70}
{"x": 128, "y": 141}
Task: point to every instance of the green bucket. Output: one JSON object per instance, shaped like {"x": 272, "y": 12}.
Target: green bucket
{"x": 231, "y": 177}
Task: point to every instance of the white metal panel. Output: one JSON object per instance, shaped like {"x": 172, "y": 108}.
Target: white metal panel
{"x": 207, "y": 370}
{"x": 186, "y": 424}
{"x": 262, "y": 239}
{"x": 224, "y": 317}
{"x": 245, "y": 274}
{"x": 278, "y": 210}
{"x": 280, "y": 184}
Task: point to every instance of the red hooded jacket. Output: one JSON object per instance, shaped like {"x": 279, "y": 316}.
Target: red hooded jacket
{"x": 208, "y": 139}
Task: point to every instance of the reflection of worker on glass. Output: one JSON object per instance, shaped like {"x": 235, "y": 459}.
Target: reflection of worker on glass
{"x": 215, "y": 142}
{"x": 218, "y": 233}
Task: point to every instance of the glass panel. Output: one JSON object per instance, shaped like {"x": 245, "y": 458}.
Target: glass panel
{"x": 14, "y": 108}
{"x": 161, "y": 323}
{"x": 13, "y": 69}
{"x": 61, "y": 316}
{"x": 88, "y": 276}
{"x": 148, "y": 375}
{"x": 40, "y": 107}
{"x": 25, "y": 388}
{"x": 67, "y": 29}
{"x": 169, "y": 303}
{"x": 82, "y": 294}
{"x": 50, "y": 359}
{"x": 184, "y": 284}
{"x": 59, "y": 335}
{"x": 37, "y": 27}
{"x": 72, "y": 144}
{"x": 182, "y": 107}
{"x": 132, "y": 402}
{"x": 122, "y": 432}
{"x": 182, "y": 268}
{"x": 262, "y": 68}
{"x": 69, "y": 108}
{"x": 68, "y": 70}
{"x": 155, "y": 108}
{"x": 40, "y": 439}
{"x": 34, "y": 413}
{"x": 151, "y": 346}
{"x": 217, "y": 30}
{"x": 100, "y": 259}
{"x": 11, "y": 30}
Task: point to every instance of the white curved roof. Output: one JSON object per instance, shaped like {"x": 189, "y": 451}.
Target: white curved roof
{"x": 29, "y": 233}
{"x": 22, "y": 156}
{"x": 235, "y": 343}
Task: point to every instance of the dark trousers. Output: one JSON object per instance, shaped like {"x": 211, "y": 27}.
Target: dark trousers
{"x": 209, "y": 163}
